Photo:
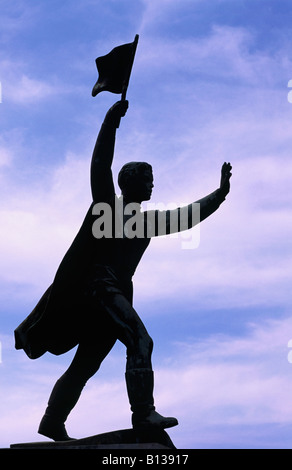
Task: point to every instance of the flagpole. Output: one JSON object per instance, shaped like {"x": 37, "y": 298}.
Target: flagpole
{"x": 126, "y": 82}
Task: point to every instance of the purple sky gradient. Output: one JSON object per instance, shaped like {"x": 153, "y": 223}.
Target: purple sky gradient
{"x": 209, "y": 85}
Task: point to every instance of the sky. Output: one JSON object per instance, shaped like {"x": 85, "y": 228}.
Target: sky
{"x": 209, "y": 84}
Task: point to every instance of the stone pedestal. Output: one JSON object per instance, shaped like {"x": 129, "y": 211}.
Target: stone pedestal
{"x": 121, "y": 439}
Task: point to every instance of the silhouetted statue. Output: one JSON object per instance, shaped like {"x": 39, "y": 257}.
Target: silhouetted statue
{"x": 90, "y": 300}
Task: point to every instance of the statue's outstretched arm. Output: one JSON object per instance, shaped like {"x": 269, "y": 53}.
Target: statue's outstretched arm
{"x": 184, "y": 218}
{"x": 102, "y": 186}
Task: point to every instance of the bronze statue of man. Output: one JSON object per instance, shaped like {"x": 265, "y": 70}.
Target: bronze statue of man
{"x": 90, "y": 300}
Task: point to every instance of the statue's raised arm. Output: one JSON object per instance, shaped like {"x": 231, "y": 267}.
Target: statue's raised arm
{"x": 210, "y": 203}
{"x": 102, "y": 186}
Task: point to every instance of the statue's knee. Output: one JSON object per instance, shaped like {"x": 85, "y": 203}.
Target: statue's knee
{"x": 147, "y": 347}
{"x": 151, "y": 345}
{"x": 140, "y": 355}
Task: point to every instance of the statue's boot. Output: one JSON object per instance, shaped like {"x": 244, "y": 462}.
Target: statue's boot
{"x": 140, "y": 383}
{"x": 63, "y": 398}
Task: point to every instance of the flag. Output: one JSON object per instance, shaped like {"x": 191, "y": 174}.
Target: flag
{"x": 114, "y": 69}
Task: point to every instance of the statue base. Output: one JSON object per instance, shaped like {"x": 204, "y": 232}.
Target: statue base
{"x": 122, "y": 439}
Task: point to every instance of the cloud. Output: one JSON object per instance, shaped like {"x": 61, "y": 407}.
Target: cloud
{"x": 39, "y": 224}
{"x": 242, "y": 246}
{"x": 29, "y": 90}
{"x": 195, "y": 100}
{"x": 17, "y": 17}
{"x": 21, "y": 89}
{"x": 220, "y": 382}
{"x": 226, "y": 53}
{"x": 23, "y": 82}
{"x": 5, "y": 157}
{"x": 230, "y": 383}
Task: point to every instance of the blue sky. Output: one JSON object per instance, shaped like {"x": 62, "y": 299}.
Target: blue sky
{"x": 209, "y": 84}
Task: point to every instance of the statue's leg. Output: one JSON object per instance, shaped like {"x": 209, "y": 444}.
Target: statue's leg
{"x": 66, "y": 392}
{"x": 63, "y": 398}
{"x": 139, "y": 374}
{"x": 140, "y": 384}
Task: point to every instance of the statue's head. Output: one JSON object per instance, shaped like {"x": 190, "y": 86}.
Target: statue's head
{"x": 136, "y": 181}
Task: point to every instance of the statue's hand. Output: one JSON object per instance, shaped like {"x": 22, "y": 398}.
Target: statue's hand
{"x": 225, "y": 178}
{"x": 117, "y": 111}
